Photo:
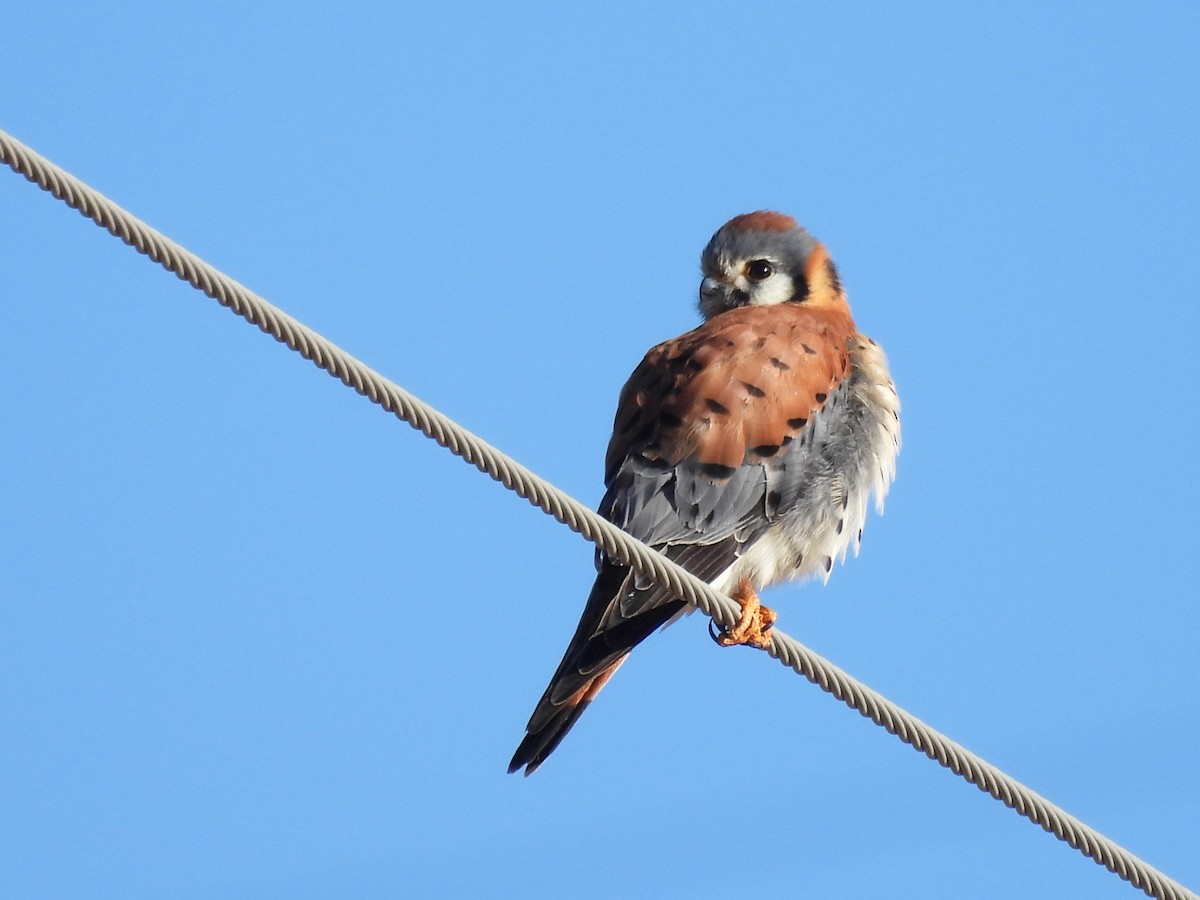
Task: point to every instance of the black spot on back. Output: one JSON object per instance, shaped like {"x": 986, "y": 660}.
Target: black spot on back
{"x": 753, "y": 390}
{"x": 716, "y": 470}
{"x": 716, "y": 407}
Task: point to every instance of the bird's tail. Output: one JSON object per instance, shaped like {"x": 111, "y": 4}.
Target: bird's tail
{"x": 542, "y": 737}
{"x": 597, "y": 650}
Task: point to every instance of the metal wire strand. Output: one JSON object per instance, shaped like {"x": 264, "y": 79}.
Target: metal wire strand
{"x": 644, "y": 560}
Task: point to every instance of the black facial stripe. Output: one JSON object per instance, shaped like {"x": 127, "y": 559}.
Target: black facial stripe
{"x": 800, "y": 289}
{"x": 835, "y": 280}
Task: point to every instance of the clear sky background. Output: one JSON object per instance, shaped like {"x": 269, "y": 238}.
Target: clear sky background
{"x": 258, "y": 638}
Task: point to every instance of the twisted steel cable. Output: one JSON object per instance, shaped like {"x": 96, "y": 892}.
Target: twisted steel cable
{"x": 615, "y": 542}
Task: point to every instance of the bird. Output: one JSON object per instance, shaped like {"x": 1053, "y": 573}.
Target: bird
{"x": 746, "y": 450}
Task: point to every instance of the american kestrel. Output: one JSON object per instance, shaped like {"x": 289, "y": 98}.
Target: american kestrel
{"x": 745, "y": 450}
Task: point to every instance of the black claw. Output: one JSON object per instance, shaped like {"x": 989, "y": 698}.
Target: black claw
{"x": 716, "y": 633}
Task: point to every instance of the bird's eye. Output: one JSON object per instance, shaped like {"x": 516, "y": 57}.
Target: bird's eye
{"x": 759, "y": 270}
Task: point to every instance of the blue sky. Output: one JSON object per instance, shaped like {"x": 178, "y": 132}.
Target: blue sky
{"x": 260, "y": 639}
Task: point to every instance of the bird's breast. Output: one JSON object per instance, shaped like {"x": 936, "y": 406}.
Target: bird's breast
{"x": 845, "y": 455}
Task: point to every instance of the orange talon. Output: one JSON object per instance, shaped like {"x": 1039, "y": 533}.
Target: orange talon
{"x": 753, "y": 624}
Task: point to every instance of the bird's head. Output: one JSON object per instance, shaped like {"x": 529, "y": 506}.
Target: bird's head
{"x": 763, "y": 258}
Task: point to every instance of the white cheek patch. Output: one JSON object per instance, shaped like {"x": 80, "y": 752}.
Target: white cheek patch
{"x": 779, "y": 288}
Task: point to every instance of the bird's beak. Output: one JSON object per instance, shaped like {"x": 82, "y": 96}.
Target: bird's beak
{"x": 717, "y": 296}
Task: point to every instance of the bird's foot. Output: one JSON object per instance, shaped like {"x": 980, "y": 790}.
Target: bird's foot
{"x": 753, "y": 625}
